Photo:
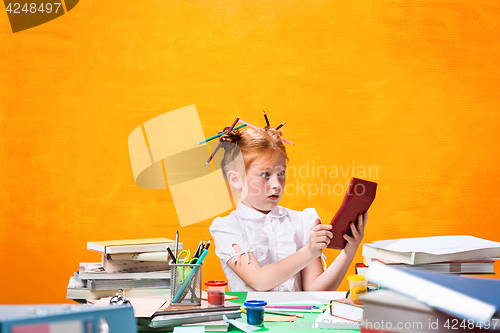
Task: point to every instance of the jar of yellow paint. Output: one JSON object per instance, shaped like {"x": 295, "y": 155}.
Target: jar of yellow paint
{"x": 357, "y": 285}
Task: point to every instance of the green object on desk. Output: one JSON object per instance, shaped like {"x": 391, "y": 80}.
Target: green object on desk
{"x": 299, "y": 325}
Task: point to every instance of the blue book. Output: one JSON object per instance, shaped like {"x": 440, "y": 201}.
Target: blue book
{"x": 66, "y": 319}
{"x": 463, "y": 297}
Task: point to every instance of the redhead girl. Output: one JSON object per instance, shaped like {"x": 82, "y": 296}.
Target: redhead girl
{"x": 263, "y": 246}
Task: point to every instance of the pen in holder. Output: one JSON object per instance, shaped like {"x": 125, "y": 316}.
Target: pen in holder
{"x": 186, "y": 284}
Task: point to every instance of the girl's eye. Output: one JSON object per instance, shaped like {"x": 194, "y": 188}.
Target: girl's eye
{"x": 281, "y": 173}
{"x": 265, "y": 175}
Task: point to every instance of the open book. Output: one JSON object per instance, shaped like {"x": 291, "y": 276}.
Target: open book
{"x": 358, "y": 198}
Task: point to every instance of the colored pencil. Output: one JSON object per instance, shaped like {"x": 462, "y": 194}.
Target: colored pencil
{"x": 249, "y": 125}
{"x": 280, "y": 126}
{"x": 171, "y": 255}
{"x": 278, "y": 313}
{"x": 218, "y": 146}
{"x": 265, "y": 117}
{"x": 217, "y": 135}
{"x": 255, "y": 127}
{"x": 176, "y": 244}
{"x": 292, "y": 306}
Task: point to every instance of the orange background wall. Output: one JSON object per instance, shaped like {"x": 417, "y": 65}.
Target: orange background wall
{"x": 410, "y": 88}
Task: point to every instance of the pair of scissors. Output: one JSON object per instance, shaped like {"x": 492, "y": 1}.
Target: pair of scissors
{"x": 183, "y": 272}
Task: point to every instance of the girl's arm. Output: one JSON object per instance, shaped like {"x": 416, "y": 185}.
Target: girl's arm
{"x": 313, "y": 277}
{"x": 264, "y": 278}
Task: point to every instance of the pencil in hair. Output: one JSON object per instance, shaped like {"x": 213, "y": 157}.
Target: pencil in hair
{"x": 249, "y": 125}
{"x": 218, "y": 146}
{"x": 212, "y": 156}
{"x": 217, "y": 135}
{"x": 280, "y": 126}
{"x": 232, "y": 126}
{"x": 265, "y": 117}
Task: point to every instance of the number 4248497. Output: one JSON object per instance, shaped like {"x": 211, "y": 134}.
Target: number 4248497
{"x": 33, "y": 8}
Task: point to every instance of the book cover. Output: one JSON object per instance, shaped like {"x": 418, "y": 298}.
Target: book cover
{"x": 346, "y": 309}
{"x": 131, "y": 245}
{"x": 463, "y": 297}
{"x": 358, "y": 198}
{"x": 396, "y": 310}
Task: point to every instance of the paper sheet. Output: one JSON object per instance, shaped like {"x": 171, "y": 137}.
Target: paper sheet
{"x": 435, "y": 245}
{"x": 298, "y": 297}
{"x": 326, "y": 320}
{"x": 241, "y": 326}
{"x": 279, "y": 319}
{"x": 143, "y": 307}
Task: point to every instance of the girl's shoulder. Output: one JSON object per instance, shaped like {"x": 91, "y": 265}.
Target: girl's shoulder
{"x": 305, "y": 214}
{"x": 225, "y": 219}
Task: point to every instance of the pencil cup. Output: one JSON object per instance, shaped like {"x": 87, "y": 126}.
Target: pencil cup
{"x": 185, "y": 286}
{"x": 255, "y": 312}
{"x": 357, "y": 286}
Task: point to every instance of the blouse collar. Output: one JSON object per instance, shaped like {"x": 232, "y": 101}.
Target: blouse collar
{"x": 248, "y": 213}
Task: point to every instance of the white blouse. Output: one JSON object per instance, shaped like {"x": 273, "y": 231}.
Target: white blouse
{"x": 270, "y": 237}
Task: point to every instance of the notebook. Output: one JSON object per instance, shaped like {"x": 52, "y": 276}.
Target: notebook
{"x": 358, "y": 198}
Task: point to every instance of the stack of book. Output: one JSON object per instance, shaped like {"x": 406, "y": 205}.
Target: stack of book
{"x": 138, "y": 266}
{"x": 428, "y": 302}
{"x": 443, "y": 254}
{"x": 170, "y": 316}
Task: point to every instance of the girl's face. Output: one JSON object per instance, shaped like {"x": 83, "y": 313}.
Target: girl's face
{"x": 264, "y": 185}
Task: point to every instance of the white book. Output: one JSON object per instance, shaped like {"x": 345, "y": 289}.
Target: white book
{"x": 132, "y": 245}
{"x": 90, "y": 271}
{"x": 424, "y": 250}
{"x": 397, "y": 310}
{"x": 129, "y": 266}
{"x": 477, "y": 299}
{"x": 345, "y": 308}
{"x": 148, "y": 256}
{"x": 78, "y": 293}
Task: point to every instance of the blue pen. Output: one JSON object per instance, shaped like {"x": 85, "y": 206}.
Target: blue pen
{"x": 190, "y": 277}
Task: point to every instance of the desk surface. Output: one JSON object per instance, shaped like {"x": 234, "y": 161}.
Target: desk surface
{"x": 300, "y": 324}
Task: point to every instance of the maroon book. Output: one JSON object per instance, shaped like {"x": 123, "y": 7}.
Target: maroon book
{"x": 358, "y": 198}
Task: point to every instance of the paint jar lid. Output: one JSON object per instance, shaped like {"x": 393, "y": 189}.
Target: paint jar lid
{"x": 254, "y": 303}
{"x": 216, "y": 283}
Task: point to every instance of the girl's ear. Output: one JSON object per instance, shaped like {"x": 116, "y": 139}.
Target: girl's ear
{"x": 234, "y": 179}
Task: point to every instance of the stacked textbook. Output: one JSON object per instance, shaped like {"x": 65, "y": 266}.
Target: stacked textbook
{"x": 138, "y": 266}
{"x": 170, "y": 316}
{"x": 420, "y": 297}
{"x": 428, "y": 302}
{"x": 443, "y": 254}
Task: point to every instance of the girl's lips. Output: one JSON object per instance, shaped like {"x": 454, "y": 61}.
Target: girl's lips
{"x": 274, "y": 197}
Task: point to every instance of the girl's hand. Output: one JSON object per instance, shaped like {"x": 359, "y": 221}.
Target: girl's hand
{"x": 320, "y": 238}
{"x": 357, "y": 235}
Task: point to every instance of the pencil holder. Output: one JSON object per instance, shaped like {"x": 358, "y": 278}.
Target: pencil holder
{"x": 185, "y": 285}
